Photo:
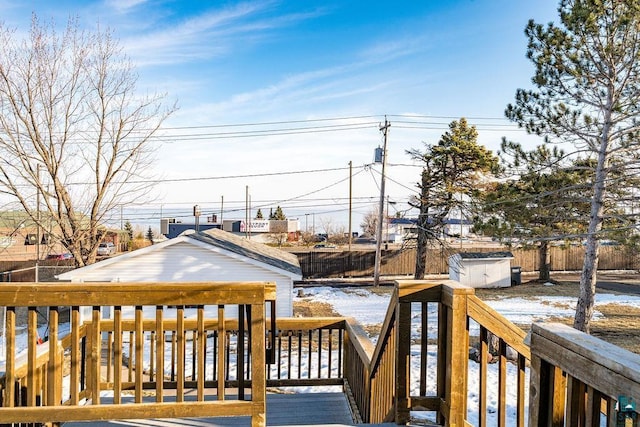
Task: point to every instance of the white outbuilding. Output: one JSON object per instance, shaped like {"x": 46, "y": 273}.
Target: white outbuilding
{"x": 481, "y": 269}
{"x": 211, "y": 255}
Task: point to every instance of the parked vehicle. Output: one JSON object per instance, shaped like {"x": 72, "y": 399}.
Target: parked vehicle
{"x": 106, "y": 249}
{"x": 324, "y": 246}
{"x": 60, "y": 257}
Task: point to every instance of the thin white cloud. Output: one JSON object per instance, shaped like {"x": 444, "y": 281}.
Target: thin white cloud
{"x": 208, "y": 35}
{"x": 124, "y": 5}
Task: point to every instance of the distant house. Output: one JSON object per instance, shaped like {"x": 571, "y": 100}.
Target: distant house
{"x": 211, "y": 255}
{"x": 400, "y": 229}
{"x": 481, "y": 269}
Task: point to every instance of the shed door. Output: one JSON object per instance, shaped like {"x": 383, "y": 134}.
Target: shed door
{"x": 478, "y": 274}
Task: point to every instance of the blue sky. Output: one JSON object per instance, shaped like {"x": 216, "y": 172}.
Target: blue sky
{"x": 423, "y": 63}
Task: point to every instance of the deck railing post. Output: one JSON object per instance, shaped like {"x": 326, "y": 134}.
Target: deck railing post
{"x": 457, "y": 353}
{"x": 258, "y": 384}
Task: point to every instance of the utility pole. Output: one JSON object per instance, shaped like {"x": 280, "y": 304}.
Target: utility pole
{"x": 221, "y": 210}
{"x": 350, "y": 199}
{"x": 376, "y": 271}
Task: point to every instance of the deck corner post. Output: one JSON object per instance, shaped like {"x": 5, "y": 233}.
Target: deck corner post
{"x": 456, "y": 354}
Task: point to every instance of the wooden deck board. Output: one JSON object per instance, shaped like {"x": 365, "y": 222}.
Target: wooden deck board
{"x": 282, "y": 410}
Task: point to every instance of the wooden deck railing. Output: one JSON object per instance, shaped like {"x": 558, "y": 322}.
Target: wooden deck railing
{"x": 420, "y": 363}
{"x": 33, "y": 389}
{"x": 580, "y": 380}
{"x": 426, "y": 330}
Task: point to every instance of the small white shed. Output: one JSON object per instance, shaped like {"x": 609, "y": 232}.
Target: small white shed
{"x": 481, "y": 269}
{"x": 211, "y": 255}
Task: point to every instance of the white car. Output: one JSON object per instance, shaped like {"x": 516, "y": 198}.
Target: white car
{"x": 106, "y": 249}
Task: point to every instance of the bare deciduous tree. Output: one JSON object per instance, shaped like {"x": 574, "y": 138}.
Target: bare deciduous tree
{"x": 370, "y": 222}
{"x": 73, "y": 130}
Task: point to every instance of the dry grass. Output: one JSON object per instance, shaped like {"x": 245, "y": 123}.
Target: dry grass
{"x": 619, "y": 324}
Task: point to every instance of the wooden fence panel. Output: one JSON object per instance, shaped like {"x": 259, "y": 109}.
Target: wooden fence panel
{"x": 395, "y": 262}
{"x": 401, "y": 262}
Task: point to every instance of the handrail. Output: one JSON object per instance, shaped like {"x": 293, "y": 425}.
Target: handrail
{"x": 44, "y": 400}
{"x": 435, "y": 316}
{"x": 578, "y": 379}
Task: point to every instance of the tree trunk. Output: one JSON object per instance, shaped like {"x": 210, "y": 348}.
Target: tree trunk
{"x": 421, "y": 247}
{"x": 422, "y": 226}
{"x": 545, "y": 261}
{"x": 586, "y": 299}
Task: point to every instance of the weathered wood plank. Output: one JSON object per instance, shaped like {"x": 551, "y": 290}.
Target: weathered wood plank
{"x": 592, "y": 361}
{"x": 89, "y": 294}
{"x": 45, "y": 414}
{"x": 479, "y": 311}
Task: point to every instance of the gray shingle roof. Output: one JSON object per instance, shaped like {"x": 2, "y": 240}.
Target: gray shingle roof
{"x": 484, "y": 255}
{"x": 256, "y": 251}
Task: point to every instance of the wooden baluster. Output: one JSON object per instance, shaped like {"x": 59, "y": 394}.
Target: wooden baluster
{"x": 201, "y": 338}
{"x": 159, "y": 354}
{"x": 502, "y": 383}
{"x": 482, "y": 381}
{"x": 402, "y": 338}
{"x": 95, "y": 351}
{"x": 10, "y": 358}
{"x": 181, "y": 350}
{"x": 32, "y": 335}
{"x": 54, "y": 366}
{"x": 520, "y": 411}
{"x": 240, "y": 352}
{"x": 117, "y": 354}
{"x": 222, "y": 345}
{"x": 139, "y": 356}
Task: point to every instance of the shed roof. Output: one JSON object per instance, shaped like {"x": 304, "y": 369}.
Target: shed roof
{"x": 485, "y": 255}
{"x": 256, "y": 251}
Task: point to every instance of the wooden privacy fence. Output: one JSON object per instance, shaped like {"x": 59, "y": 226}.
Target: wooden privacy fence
{"x": 62, "y": 379}
{"x": 401, "y": 262}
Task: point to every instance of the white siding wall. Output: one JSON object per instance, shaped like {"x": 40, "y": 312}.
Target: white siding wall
{"x": 480, "y": 273}
{"x": 184, "y": 262}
